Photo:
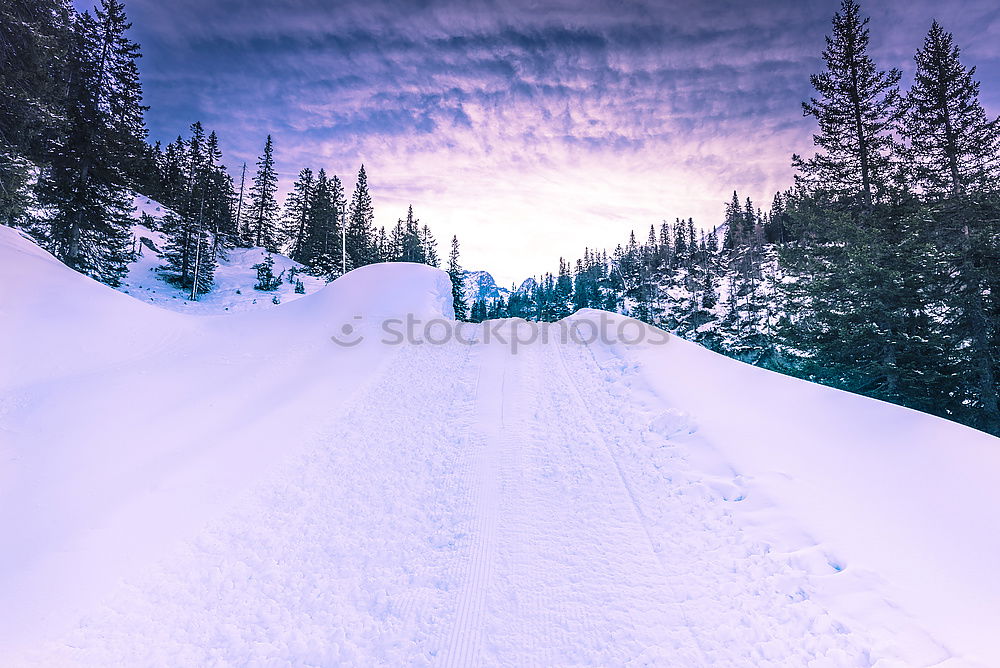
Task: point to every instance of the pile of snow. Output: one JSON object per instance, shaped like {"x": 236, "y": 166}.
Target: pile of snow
{"x": 49, "y": 329}
{"x": 235, "y": 277}
{"x": 896, "y": 507}
{"x": 126, "y": 428}
{"x": 245, "y": 490}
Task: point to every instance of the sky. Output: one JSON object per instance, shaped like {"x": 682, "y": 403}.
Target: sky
{"x": 528, "y": 128}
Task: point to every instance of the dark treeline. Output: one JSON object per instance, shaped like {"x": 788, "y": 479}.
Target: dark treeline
{"x": 73, "y": 152}
{"x": 716, "y": 287}
{"x": 876, "y": 273}
{"x": 317, "y": 226}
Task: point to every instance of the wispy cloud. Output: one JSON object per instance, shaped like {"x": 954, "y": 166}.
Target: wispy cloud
{"x": 527, "y": 128}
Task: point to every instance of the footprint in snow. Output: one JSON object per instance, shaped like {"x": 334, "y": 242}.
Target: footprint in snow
{"x": 672, "y": 422}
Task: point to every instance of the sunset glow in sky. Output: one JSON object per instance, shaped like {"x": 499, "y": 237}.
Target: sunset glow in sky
{"x": 529, "y": 129}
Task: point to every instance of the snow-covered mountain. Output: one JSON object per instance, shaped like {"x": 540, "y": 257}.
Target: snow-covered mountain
{"x": 305, "y": 485}
{"x": 234, "y": 277}
{"x": 527, "y": 285}
{"x": 480, "y": 286}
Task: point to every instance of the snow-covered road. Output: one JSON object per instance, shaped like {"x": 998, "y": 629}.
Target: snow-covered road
{"x": 474, "y": 507}
{"x": 242, "y": 491}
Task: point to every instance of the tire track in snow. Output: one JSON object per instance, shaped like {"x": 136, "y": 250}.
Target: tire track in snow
{"x": 587, "y": 412}
{"x": 466, "y": 639}
{"x": 571, "y": 587}
{"x": 551, "y": 616}
{"x": 751, "y": 606}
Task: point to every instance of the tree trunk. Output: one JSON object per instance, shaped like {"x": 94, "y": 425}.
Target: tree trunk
{"x": 863, "y": 152}
{"x": 76, "y": 227}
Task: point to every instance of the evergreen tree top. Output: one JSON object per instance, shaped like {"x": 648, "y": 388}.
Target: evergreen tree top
{"x": 953, "y": 145}
{"x": 856, "y": 108}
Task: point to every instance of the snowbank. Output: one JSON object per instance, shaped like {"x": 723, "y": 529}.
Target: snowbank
{"x": 54, "y": 320}
{"x": 898, "y": 506}
{"x": 387, "y": 290}
{"x": 125, "y": 428}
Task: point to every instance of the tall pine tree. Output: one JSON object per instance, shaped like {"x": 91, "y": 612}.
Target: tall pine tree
{"x": 86, "y": 184}
{"x": 953, "y": 145}
{"x": 36, "y": 36}
{"x": 261, "y": 222}
{"x": 361, "y": 242}
{"x": 298, "y": 205}
{"x": 856, "y": 109}
{"x": 457, "y": 276}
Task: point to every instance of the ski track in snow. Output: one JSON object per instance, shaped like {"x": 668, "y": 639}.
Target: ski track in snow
{"x": 477, "y": 508}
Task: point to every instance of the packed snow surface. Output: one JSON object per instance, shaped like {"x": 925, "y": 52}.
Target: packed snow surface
{"x": 177, "y": 490}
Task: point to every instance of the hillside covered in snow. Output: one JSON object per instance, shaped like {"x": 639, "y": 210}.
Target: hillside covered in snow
{"x": 308, "y": 484}
{"x": 235, "y": 277}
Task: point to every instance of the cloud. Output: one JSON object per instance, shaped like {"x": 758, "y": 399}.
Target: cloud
{"x": 530, "y": 129}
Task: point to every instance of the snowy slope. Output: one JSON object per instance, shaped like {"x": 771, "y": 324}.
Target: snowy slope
{"x": 900, "y": 506}
{"x": 234, "y": 278}
{"x": 177, "y": 490}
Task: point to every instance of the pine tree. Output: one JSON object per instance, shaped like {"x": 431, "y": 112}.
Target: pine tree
{"x": 218, "y": 214}
{"x": 384, "y": 252}
{"x": 361, "y": 241}
{"x": 584, "y": 285}
{"x": 457, "y": 276}
{"x": 856, "y": 313}
{"x": 266, "y": 280}
{"x": 954, "y": 159}
{"x": 562, "y": 298}
{"x": 173, "y": 175}
{"x": 263, "y": 205}
{"x": 188, "y": 253}
{"x": 196, "y": 171}
{"x": 428, "y": 246}
{"x": 298, "y": 206}
{"x": 953, "y": 146}
{"x": 86, "y": 183}
{"x": 411, "y": 248}
{"x": 35, "y": 36}
{"x": 200, "y": 232}
{"x": 735, "y": 230}
{"x": 966, "y": 244}
{"x": 480, "y": 311}
{"x": 856, "y": 310}
{"x": 776, "y": 229}
{"x": 395, "y": 242}
{"x": 322, "y": 245}
{"x": 857, "y": 108}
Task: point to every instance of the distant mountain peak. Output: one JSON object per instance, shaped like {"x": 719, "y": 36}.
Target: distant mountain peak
{"x": 481, "y": 286}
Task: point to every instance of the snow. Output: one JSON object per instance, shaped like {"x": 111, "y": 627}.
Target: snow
{"x": 899, "y": 504}
{"x": 180, "y": 490}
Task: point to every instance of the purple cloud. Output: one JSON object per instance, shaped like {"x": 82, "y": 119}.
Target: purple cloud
{"x": 529, "y": 129}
